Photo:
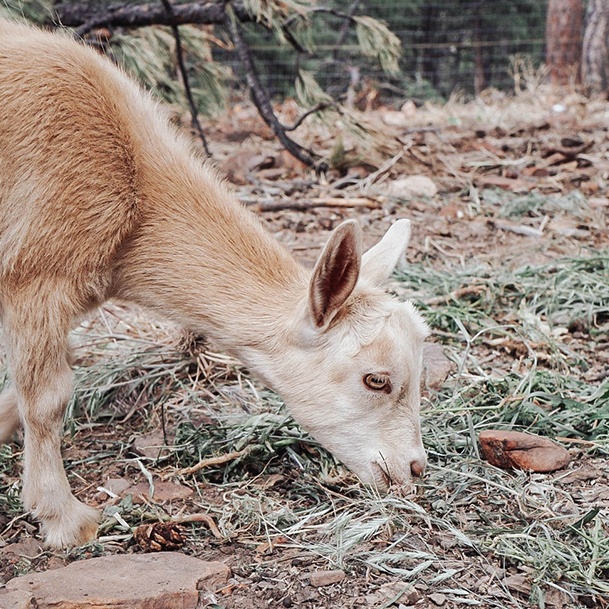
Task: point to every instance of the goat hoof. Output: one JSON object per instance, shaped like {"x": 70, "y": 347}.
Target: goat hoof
{"x": 71, "y": 528}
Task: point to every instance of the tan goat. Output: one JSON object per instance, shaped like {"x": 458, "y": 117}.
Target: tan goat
{"x": 101, "y": 198}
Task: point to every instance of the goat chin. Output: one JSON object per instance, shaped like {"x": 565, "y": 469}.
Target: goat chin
{"x": 101, "y": 197}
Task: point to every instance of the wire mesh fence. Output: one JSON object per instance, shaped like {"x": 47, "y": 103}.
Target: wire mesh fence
{"x": 447, "y": 46}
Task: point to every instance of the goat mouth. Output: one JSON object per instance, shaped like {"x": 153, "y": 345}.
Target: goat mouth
{"x": 382, "y": 475}
{"x": 384, "y": 480}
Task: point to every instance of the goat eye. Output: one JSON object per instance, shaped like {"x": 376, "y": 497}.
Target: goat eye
{"x": 378, "y": 382}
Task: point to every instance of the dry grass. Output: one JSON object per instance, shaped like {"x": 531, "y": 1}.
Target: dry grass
{"x": 531, "y": 536}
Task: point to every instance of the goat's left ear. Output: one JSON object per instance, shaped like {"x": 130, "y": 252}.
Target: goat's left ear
{"x": 335, "y": 273}
{"x": 380, "y": 261}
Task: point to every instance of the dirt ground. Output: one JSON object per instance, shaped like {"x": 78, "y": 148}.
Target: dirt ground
{"x": 509, "y": 182}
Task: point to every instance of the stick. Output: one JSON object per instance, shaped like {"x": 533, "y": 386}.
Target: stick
{"x": 261, "y": 98}
{"x": 182, "y": 67}
{"x": 186, "y": 471}
{"x": 311, "y": 203}
{"x": 575, "y": 441}
{"x": 206, "y": 518}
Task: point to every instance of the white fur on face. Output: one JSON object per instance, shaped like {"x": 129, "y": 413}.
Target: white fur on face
{"x": 376, "y": 434}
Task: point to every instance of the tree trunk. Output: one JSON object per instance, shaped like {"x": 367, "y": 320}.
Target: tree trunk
{"x": 595, "y": 64}
{"x": 479, "y": 72}
{"x": 428, "y": 36}
{"x": 564, "y": 27}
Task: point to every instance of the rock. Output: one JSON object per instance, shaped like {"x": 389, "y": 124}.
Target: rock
{"x": 164, "y": 491}
{"x": 452, "y": 211}
{"x": 412, "y": 186}
{"x": 398, "y": 593}
{"x": 29, "y": 548}
{"x": 150, "y": 445}
{"x": 437, "y": 599}
{"x": 395, "y": 118}
{"x": 518, "y": 450}
{"x": 132, "y": 581}
{"x": 115, "y": 486}
{"x": 436, "y": 366}
{"x": 409, "y": 109}
{"x": 326, "y": 578}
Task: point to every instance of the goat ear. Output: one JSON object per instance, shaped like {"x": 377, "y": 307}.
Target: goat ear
{"x": 380, "y": 261}
{"x": 335, "y": 273}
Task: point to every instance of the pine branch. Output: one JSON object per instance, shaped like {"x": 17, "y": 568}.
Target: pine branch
{"x": 84, "y": 17}
{"x": 261, "y": 98}
{"x": 182, "y": 67}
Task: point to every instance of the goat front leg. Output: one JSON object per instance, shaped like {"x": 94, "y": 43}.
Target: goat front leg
{"x": 9, "y": 415}
{"x": 42, "y": 382}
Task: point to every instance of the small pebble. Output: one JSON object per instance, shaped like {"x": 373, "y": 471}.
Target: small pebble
{"x": 326, "y": 578}
{"x": 437, "y": 599}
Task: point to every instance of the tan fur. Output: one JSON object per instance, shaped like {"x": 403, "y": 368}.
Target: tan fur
{"x": 100, "y": 198}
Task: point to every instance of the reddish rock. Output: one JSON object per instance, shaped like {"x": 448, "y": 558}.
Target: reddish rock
{"x": 519, "y": 450}
{"x": 132, "y": 581}
{"x": 437, "y": 598}
{"x": 326, "y": 578}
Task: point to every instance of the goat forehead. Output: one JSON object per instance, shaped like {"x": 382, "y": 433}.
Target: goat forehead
{"x": 395, "y": 347}
{"x": 390, "y": 333}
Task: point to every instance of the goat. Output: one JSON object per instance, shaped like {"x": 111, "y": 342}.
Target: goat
{"x": 100, "y": 197}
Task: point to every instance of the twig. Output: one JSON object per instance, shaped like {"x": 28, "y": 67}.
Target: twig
{"x": 261, "y": 98}
{"x": 292, "y": 40}
{"x": 182, "y": 67}
{"x": 187, "y": 471}
{"x": 317, "y": 108}
{"x": 575, "y": 441}
{"x": 310, "y": 203}
{"x": 321, "y": 9}
{"x": 206, "y": 518}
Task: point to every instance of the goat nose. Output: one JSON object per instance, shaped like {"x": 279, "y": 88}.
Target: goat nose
{"x": 417, "y": 467}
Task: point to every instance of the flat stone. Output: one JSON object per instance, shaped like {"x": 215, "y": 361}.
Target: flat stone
{"x": 150, "y": 445}
{"x": 29, "y": 548}
{"x": 166, "y": 580}
{"x": 117, "y": 485}
{"x": 398, "y": 593}
{"x": 436, "y": 366}
{"x": 326, "y": 578}
{"x": 409, "y": 187}
{"x": 164, "y": 491}
{"x": 525, "y": 451}
{"x": 437, "y": 598}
